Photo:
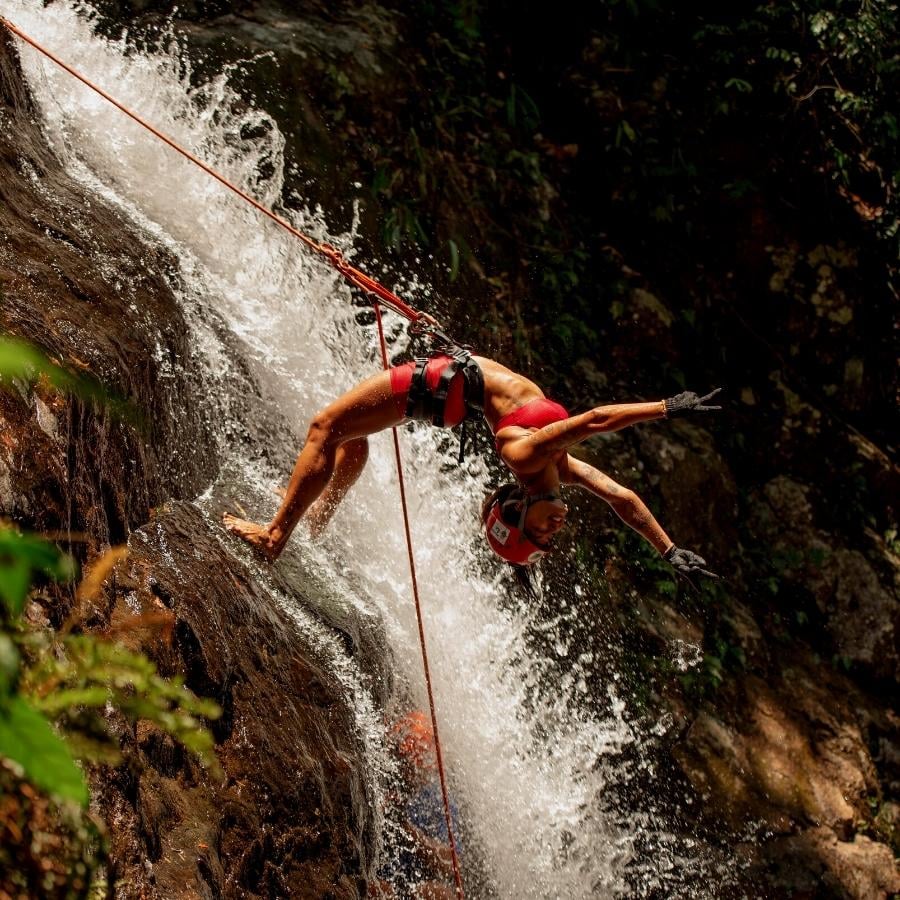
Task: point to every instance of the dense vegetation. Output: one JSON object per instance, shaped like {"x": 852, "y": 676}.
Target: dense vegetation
{"x": 69, "y": 678}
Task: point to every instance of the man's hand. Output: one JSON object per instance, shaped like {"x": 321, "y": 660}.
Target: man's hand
{"x": 688, "y": 402}
{"x": 687, "y": 563}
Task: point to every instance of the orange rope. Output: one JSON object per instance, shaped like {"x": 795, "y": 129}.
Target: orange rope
{"x": 332, "y": 254}
{"x": 383, "y": 296}
{"x": 415, "y": 588}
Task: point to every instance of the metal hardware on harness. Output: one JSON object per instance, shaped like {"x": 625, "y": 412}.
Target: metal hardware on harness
{"x": 430, "y": 405}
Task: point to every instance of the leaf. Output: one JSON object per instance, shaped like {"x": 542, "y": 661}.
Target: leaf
{"x": 28, "y": 739}
{"x": 9, "y": 664}
{"x": 20, "y": 556}
{"x": 667, "y": 587}
{"x": 93, "y": 748}
{"x": 15, "y": 579}
{"x": 39, "y": 553}
{"x": 21, "y": 361}
{"x": 89, "y": 589}
{"x": 454, "y": 259}
{"x": 58, "y": 701}
{"x": 740, "y": 85}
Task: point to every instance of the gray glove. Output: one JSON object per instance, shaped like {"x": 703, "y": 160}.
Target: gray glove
{"x": 687, "y": 563}
{"x": 688, "y": 402}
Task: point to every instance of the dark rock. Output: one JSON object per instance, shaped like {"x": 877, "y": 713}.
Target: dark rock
{"x": 789, "y": 759}
{"x": 861, "y": 608}
{"x": 292, "y": 815}
{"x": 815, "y": 863}
{"x": 80, "y": 283}
{"x": 696, "y": 485}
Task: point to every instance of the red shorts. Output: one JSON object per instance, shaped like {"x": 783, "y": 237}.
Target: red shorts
{"x": 401, "y": 379}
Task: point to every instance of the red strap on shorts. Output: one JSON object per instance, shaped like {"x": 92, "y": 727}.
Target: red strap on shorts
{"x": 401, "y": 379}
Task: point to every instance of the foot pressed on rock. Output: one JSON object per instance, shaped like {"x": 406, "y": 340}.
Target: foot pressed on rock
{"x": 258, "y": 536}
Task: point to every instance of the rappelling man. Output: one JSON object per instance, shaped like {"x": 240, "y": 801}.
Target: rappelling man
{"x": 532, "y": 435}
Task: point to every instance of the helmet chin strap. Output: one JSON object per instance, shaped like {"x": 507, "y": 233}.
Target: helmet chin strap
{"x": 530, "y": 500}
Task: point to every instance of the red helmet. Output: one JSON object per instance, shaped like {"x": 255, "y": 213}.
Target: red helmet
{"x": 509, "y": 541}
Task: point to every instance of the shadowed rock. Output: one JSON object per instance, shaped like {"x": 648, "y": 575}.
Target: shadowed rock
{"x": 292, "y": 816}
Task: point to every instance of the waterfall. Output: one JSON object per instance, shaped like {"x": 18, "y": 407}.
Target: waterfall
{"x": 531, "y": 757}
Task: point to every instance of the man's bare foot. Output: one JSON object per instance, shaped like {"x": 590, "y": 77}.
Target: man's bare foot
{"x": 258, "y": 536}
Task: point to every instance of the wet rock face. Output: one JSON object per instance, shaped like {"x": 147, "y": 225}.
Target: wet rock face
{"x": 695, "y": 484}
{"x": 76, "y": 280}
{"x": 816, "y": 863}
{"x": 290, "y": 818}
{"x": 860, "y": 606}
{"x": 793, "y": 764}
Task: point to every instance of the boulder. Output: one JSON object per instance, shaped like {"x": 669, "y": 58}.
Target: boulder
{"x": 815, "y": 863}
{"x": 293, "y": 814}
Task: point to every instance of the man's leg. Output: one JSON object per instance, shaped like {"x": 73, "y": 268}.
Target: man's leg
{"x": 349, "y": 462}
{"x": 364, "y": 410}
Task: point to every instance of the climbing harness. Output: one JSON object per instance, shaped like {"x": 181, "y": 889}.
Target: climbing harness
{"x": 430, "y": 404}
{"x": 421, "y": 324}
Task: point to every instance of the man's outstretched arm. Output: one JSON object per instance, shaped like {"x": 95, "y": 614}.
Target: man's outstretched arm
{"x": 529, "y": 452}
{"x": 629, "y": 507}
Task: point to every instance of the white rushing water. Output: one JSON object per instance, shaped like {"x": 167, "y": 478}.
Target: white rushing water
{"x": 528, "y": 762}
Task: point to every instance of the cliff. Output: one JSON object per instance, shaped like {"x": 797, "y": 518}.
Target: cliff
{"x": 292, "y": 815}
{"x": 715, "y": 248}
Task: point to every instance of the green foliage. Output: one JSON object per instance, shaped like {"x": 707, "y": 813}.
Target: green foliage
{"x": 22, "y": 557}
{"x": 69, "y": 680}
{"x": 833, "y": 69}
{"x": 23, "y": 363}
{"x": 84, "y": 673}
{"x": 27, "y": 738}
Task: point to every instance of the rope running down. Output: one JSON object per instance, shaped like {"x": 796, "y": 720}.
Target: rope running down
{"x": 415, "y": 589}
{"x": 331, "y": 254}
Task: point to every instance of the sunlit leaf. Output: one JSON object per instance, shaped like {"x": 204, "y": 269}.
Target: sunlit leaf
{"x": 57, "y": 701}
{"x": 92, "y": 582}
{"x": 23, "y": 362}
{"x": 29, "y": 740}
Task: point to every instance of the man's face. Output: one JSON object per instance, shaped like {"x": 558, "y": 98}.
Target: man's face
{"x": 544, "y": 519}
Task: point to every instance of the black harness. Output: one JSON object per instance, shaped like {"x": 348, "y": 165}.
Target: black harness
{"x": 430, "y": 405}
